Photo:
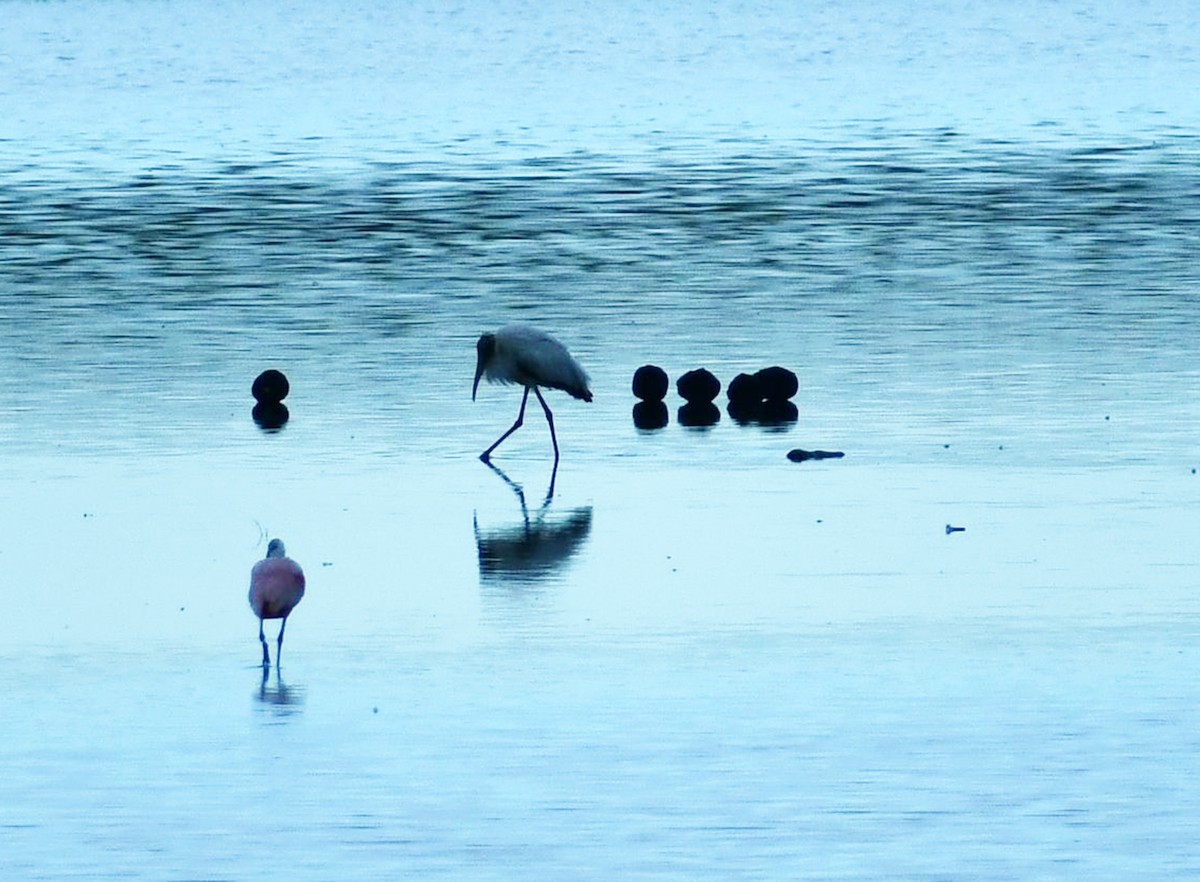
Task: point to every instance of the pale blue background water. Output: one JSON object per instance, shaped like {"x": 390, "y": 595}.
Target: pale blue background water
{"x": 972, "y": 231}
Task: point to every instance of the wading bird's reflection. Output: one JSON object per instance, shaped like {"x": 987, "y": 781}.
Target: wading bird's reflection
{"x": 278, "y": 695}
{"x": 538, "y": 547}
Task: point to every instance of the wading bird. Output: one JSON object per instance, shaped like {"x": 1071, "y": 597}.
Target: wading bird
{"x": 530, "y": 358}
{"x": 276, "y": 586}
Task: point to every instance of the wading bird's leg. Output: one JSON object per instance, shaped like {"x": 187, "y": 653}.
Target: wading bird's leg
{"x": 550, "y": 420}
{"x": 550, "y": 489}
{"x": 486, "y": 455}
{"x": 515, "y": 487}
{"x": 263, "y": 640}
{"x": 279, "y": 642}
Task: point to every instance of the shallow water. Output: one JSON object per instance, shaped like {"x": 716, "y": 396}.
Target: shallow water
{"x": 1048, "y": 293}
{"x": 729, "y": 671}
{"x": 695, "y": 659}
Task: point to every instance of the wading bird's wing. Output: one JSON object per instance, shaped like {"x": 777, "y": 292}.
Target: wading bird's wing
{"x": 543, "y": 361}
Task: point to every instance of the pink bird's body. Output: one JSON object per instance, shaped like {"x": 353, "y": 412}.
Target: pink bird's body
{"x": 276, "y": 586}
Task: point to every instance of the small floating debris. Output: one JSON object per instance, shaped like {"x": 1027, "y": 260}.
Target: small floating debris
{"x": 650, "y": 383}
{"x": 950, "y": 528}
{"x": 799, "y": 455}
{"x": 270, "y": 387}
{"x": 698, "y": 386}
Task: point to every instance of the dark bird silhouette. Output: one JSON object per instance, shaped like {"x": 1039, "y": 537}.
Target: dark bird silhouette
{"x": 698, "y": 386}
{"x": 650, "y": 383}
{"x": 270, "y": 387}
{"x": 530, "y": 358}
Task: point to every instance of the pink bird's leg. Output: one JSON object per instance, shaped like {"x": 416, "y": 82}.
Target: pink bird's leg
{"x": 279, "y": 643}
{"x": 487, "y": 454}
{"x": 263, "y": 640}
{"x": 550, "y": 420}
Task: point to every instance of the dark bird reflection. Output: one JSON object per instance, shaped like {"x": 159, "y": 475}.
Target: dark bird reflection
{"x": 278, "y": 695}
{"x": 773, "y": 415}
{"x": 270, "y": 416}
{"x": 699, "y": 414}
{"x": 649, "y": 416}
{"x": 776, "y": 414}
{"x": 537, "y": 548}
{"x": 744, "y": 413}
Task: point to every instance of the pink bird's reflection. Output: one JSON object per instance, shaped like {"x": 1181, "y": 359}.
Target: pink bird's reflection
{"x": 278, "y": 695}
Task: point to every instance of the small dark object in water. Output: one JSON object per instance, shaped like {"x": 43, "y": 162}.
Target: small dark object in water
{"x": 777, "y": 383}
{"x": 698, "y": 415}
{"x": 270, "y": 387}
{"x": 650, "y": 383}
{"x": 799, "y": 455}
{"x": 650, "y": 415}
{"x": 950, "y": 529}
{"x": 744, "y": 389}
{"x": 270, "y": 416}
{"x": 698, "y": 386}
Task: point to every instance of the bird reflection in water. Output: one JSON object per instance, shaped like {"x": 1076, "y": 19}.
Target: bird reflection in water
{"x": 274, "y": 693}
{"x": 538, "y": 547}
{"x": 270, "y": 417}
{"x": 650, "y": 416}
{"x": 698, "y": 415}
{"x": 778, "y": 416}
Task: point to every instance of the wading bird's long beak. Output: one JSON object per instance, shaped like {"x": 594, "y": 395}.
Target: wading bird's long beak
{"x": 478, "y": 374}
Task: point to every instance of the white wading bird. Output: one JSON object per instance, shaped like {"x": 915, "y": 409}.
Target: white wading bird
{"x": 531, "y": 358}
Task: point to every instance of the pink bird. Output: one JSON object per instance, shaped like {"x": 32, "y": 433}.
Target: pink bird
{"x": 276, "y": 586}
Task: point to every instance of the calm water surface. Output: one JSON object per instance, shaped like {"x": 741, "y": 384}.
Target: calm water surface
{"x": 694, "y": 659}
